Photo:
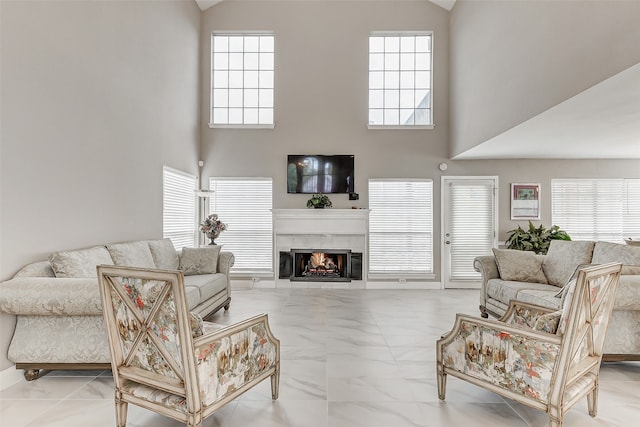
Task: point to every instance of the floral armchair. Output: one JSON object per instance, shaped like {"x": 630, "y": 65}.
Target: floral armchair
{"x": 543, "y": 359}
{"x": 168, "y": 360}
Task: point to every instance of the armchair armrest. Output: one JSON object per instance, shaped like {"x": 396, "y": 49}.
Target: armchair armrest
{"x": 524, "y": 314}
{"x": 486, "y": 265}
{"x": 500, "y": 356}
{"x": 234, "y": 358}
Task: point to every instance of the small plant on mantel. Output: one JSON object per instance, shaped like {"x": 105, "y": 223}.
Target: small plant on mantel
{"x": 319, "y": 201}
{"x": 536, "y": 239}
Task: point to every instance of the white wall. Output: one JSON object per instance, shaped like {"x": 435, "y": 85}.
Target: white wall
{"x": 511, "y": 60}
{"x": 96, "y": 97}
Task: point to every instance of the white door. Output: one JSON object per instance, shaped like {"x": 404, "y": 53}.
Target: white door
{"x": 469, "y": 227}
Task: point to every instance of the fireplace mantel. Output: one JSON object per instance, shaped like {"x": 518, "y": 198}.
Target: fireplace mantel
{"x": 321, "y": 229}
{"x": 320, "y": 221}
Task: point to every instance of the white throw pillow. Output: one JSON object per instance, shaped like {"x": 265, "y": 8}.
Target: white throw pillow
{"x": 164, "y": 254}
{"x": 132, "y": 254}
{"x": 79, "y": 263}
{"x": 200, "y": 260}
{"x": 519, "y": 266}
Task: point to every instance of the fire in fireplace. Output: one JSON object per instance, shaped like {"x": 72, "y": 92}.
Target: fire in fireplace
{"x": 320, "y": 265}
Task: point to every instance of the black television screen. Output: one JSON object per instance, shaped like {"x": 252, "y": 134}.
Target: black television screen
{"x": 309, "y": 174}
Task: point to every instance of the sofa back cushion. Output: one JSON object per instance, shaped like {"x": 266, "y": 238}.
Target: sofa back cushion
{"x": 629, "y": 256}
{"x": 132, "y": 254}
{"x": 519, "y": 266}
{"x": 200, "y": 260}
{"x": 80, "y": 263}
{"x": 562, "y": 259}
{"x": 164, "y": 254}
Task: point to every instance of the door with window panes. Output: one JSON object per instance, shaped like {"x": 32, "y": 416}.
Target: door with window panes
{"x": 469, "y": 227}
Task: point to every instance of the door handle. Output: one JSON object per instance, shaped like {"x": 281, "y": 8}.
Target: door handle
{"x": 447, "y": 242}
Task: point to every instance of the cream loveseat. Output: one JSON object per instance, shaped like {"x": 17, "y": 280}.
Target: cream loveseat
{"x": 540, "y": 279}
{"x": 57, "y": 302}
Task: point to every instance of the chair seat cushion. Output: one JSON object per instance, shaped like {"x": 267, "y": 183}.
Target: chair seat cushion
{"x": 164, "y": 398}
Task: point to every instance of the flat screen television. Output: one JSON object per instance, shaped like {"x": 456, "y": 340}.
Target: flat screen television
{"x": 309, "y": 174}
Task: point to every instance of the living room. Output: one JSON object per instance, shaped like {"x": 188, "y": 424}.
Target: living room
{"x": 99, "y": 96}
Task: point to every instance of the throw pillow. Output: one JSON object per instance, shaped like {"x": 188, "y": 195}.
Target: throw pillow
{"x": 197, "y": 325}
{"x": 519, "y": 266}
{"x": 200, "y": 260}
{"x": 164, "y": 254}
{"x": 629, "y": 256}
{"x": 80, "y": 263}
{"x": 562, "y": 259}
{"x": 548, "y": 322}
{"x": 131, "y": 254}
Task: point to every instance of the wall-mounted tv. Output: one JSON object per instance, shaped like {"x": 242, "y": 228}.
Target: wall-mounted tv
{"x": 309, "y": 174}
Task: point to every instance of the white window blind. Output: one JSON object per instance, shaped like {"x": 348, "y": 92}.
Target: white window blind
{"x": 631, "y": 214}
{"x": 244, "y": 204}
{"x": 596, "y": 209}
{"x": 401, "y": 227}
{"x": 179, "y": 207}
{"x": 471, "y": 222}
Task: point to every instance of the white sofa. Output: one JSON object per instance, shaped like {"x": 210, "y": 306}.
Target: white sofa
{"x": 57, "y": 302}
{"x": 539, "y": 279}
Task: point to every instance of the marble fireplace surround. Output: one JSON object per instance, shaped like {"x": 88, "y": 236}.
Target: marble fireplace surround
{"x": 321, "y": 229}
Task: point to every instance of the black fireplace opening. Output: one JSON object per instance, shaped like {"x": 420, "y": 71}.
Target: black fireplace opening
{"x": 321, "y": 265}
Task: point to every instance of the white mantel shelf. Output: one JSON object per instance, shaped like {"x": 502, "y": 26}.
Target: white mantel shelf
{"x": 320, "y": 221}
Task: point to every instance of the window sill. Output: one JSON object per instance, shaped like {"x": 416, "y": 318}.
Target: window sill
{"x": 399, "y": 275}
{"x": 402, "y": 127}
{"x": 238, "y": 126}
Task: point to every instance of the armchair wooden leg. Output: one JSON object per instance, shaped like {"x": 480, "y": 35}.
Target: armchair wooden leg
{"x": 592, "y": 402}
{"x": 121, "y": 413}
{"x": 275, "y": 383}
{"x": 442, "y": 385}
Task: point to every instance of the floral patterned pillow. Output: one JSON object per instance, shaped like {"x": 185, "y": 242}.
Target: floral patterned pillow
{"x": 200, "y": 260}
{"x": 548, "y": 322}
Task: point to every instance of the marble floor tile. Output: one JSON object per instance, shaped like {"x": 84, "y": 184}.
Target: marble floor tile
{"x": 350, "y": 358}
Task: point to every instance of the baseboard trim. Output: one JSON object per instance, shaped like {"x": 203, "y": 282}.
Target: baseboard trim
{"x": 10, "y": 376}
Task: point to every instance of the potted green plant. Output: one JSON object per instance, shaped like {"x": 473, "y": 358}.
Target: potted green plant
{"x": 536, "y": 239}
{"x": 319, "y": 201}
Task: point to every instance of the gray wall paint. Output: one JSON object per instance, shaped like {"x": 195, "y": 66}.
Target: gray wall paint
{"x": 96, "y": 98}
{"x": 321, "y": 94}
{"x": 511, "y": 60}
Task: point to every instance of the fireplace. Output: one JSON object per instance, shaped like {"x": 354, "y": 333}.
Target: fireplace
{"x": 321, "y": 265}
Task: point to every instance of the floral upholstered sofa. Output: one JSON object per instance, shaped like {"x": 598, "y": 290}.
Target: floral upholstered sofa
{"x": 57, "y": 302}
{"x": 540, "y": 279}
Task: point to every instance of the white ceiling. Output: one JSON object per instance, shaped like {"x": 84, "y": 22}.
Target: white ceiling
{"x": 603, "y": 122}
{"x": 206, "y": 4}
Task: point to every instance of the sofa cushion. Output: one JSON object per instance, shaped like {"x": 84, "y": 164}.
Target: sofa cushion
{"x": 506, "y": 290}
{"x": 132, "y": 254}
{"x": 192, "y": 294}
{"x": 207, "y": 285}
{"x": 519, "y": 266}
{"x": 164, "y": 254}
{"x": 605, "y": 252}
{"x": 545, "y": 298}
{"x": 200, "y": 260}
{"x": 562, "y": 259}
{"x": 80, "y": 263}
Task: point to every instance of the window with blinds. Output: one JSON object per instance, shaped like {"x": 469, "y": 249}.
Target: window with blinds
{"x": 179, "y": 207}
{"x": 245, "y": 204}
{"x": 400, "y": 227}
{"x": 596, "y": 209}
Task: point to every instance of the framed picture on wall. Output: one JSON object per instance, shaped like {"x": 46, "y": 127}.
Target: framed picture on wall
{"x": 525, "y": 201}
